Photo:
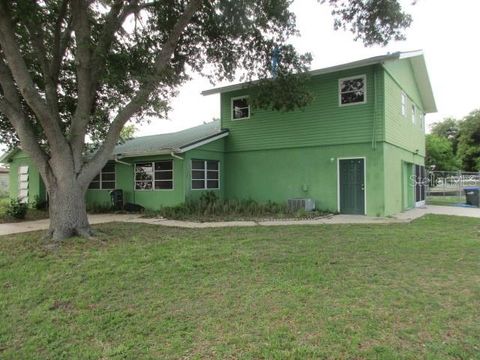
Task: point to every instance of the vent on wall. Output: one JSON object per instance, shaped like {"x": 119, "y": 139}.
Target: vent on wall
{"x": 305, "y": 204}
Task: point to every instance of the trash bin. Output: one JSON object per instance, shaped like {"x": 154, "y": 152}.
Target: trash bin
{"x": 117, "y": 199}
{"x": 472, "y": 195}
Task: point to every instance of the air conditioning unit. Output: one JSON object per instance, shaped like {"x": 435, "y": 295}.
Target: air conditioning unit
{"x": 305, "y": 204}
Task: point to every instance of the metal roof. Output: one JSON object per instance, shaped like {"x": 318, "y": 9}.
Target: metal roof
{"x": 415, "y": 57}
{"x": 177, "y": 142}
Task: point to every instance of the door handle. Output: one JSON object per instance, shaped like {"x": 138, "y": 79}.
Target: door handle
{"x": 363, "y": 187}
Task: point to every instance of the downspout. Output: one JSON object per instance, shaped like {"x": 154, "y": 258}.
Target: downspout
{"x": 121, "y": 162}
{"x": 375, "y": 106}
{"x": 172, "y": 154}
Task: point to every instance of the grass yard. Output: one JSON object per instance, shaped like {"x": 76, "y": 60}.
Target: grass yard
{"x": 445, "y": 200}
{"x": 404, "y": 291}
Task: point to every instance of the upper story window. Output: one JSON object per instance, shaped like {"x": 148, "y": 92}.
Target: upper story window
{"x": 240, "y": 108}
{"x": 353, "y": 90}
{"x": 414, "y": 113}
{"x": 105, "y": 180}
{"x": 157, "y": 175}
{"x": 404, "y": 104}
{"x": 205, "y": 174}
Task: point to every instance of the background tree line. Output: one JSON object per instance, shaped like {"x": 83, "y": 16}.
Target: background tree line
{"x": 454, "y": 144}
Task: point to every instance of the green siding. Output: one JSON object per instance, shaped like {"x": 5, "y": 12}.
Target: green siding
{"x": 401, "y": 71}
{"x": 36, "y": 187}
{"x": 322, "y": 122}
{"x": 278, "y": 175}
{"x": 399, "y": 188}
{"x": 399, "y": 129}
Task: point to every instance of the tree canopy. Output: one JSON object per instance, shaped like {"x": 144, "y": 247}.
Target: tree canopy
{"x": 77, "y": 69}
{"x": 455, "y": 144}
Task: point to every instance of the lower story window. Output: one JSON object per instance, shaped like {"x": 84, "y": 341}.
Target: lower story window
{"x": 157, "y": 175}
{"x": 105, "y": 180}
{"x": 205, "y": 174}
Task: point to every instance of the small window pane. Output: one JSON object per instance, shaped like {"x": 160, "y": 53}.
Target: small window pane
{"x": 198, "y": 175}
{"x": 240, "y": 108}
{"x": 212, "y": 165}
{"x": 212, "y": 184}
{"x": 198, "y": 184}
{"x": 198, "y": 164}
{"x": 163, "y": 175}
{"x": 143, "y": 185}
{"x": 164, "y": 165}
{"x": 110, "y": 167}
{"x": 144, "y": 171}
{"x": 94, "y": 185}
{"x": 212, "y": 175}
{"x": 108, "y": 177}
{"x": 352, "y": 91}
{"x": 108, "y": 185}
{"x": 96, "y": 178}
{"x": 163, "y": 185}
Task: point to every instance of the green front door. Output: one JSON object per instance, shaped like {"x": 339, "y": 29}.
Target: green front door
{"x": 352, "y": 186}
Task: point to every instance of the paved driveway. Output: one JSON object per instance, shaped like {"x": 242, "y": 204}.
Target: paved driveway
{"x": 26, "y": 226}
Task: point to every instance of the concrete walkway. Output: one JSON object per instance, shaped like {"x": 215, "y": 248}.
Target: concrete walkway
{"x": 405, "y": 217}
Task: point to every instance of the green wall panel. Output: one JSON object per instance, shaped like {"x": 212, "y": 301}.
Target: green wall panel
{"x": 278, "y": 175}
{"x": 322, "y": 122}
{"x": 399, "y": 194}
{"x": 36, "y": 188}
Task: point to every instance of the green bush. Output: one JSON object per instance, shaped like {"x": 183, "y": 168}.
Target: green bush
{"x": 17, "y": 209}
{"x": 39, "y": 203}
{"x": 210, "y": 207}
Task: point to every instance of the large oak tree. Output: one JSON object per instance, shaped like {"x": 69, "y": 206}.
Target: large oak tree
{"x": 72, "y": 70}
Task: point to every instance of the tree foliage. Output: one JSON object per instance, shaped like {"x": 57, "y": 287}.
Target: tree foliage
{"x": 469, "y": 142}
{"x": 77, "y": 69}
{"x": 440, "y": 155}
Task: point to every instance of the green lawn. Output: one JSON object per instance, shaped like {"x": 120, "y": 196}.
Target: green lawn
{"x": 405, "y": 291}
{"x": 445, "y": 200}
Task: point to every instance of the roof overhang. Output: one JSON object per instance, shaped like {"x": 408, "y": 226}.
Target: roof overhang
{"x": 416, "y": 58}
{"x": 423, "y": 82}
{"x": 180, "y": 150}
{"x": 7, "y": 157}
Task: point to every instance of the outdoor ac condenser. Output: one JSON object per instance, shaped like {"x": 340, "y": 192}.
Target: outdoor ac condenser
{"x": 305, "y": 204}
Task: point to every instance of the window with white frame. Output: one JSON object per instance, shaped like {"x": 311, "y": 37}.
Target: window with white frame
{"x": 353, "y": 90}
{"x": 23, "y": 184}
{"x": 404, "y": 104}
{"x": 205, "y": 174}
{"x": 105, "y": 180}
{"x": 414, "y": 113}
{"x": 240, "y": 108}
{"x": 154, "y": 175}
{"x": 422, "y": 120}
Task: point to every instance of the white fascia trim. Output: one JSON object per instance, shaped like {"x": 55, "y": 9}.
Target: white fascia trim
{"x": 202, "y": 142}
{"x": 351, "y": 65}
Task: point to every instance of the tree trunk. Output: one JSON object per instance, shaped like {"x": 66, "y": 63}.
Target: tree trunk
{"x": 68, "y": 212}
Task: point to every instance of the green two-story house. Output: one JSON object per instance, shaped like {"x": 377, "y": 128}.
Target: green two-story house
{"x": 357, "y": 148}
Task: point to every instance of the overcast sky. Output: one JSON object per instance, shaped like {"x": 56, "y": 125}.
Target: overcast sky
{"x": 446, "y": 30}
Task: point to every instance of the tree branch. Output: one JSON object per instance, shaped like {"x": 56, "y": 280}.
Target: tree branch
{"x": 11, "y": 107}
{"x": 101, "y": 156}
{"x": 60, "y": 40}
{"x": 25, "y": 84}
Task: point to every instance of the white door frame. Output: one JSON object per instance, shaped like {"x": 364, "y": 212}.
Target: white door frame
{"x": 364, "y": 180}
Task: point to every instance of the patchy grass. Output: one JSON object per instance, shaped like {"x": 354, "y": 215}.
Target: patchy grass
{"x": 209, "y": 207}
{"x": 445, "y": 200}
{"x": 403, "y": 291}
